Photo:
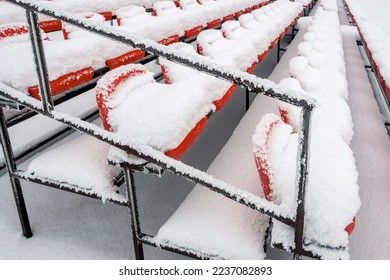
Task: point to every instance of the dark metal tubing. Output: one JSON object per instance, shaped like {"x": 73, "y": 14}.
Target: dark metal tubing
{"x": 148, "y": 240}
{"x": 134, "y": 214}
{"x": 302, "y": 173}
{"x": 40, "y": 60}
{"x": 63, "y": 187}
{"x": 15, "y": 182}
{"x": 247, "y": 95}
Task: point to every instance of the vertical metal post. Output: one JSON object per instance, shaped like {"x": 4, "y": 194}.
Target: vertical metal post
{"x": 302, "y": 172}
{"x": 40, "y": 60}
{"x": 15, "y": 182}
{"x": 246, "y": 99}
{"x": 293, "y": 32}
{"x": 278, "y": 53}
{"x": 134, "y": 216}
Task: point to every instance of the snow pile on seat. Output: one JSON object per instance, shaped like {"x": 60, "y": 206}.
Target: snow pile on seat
{"x": 10, "y": 13}
{"x": 332, "y": 192}
{"x": 158, "y": 115}
{"x": 373, "y": 25}
{"x": 16, "y": 33}
{"x": 231, "y": 53}
{"x": 87, "y": 169}
{"x": 171, "y": 20}
{"x": 63, "y": 57}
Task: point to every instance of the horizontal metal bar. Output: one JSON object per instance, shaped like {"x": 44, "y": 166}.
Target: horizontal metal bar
{"x": 149, "y": 240}
{"x": 198, "y": 62}
{"x": 64, "y": 187}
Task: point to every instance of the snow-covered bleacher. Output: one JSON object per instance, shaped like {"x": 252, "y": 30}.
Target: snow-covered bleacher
{"x": 209, "y": 93}
{"x": 170, "y": 116}
{"x": 373, "y": 23}
{"x": 331, "y": 201}
{"x": 71, "y": 66}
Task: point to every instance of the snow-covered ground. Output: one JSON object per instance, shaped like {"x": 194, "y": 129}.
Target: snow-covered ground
{"x": 67, "y": 226}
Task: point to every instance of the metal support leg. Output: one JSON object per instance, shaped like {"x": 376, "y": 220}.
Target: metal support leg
{"x": 246, "y": 99}
{"x": 134, "y": 216}
{"x": 15, "y": 182}
{"x": 302, "y": 173}
{"x": 297, "y": 257}
{"x": 40, "y": 60}
{"x": 278, "y": 53}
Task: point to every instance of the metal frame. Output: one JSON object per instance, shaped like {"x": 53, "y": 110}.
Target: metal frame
{"x": 147, "y": 153}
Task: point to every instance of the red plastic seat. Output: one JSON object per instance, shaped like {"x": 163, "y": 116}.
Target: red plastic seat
{"x": 65, "y": 82}
{"x": 170, "y": 40}
{"x": 50, "y": 25}
{"x": 124, "y": 59}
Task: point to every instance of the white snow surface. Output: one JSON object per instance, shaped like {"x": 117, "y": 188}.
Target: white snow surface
{"x": 373, "y": 22}
{"x": 369, "y": 240}
{"x": 331, "y": 203}
{"x": 88, "y": 170}
{"x": 161, "y": 115}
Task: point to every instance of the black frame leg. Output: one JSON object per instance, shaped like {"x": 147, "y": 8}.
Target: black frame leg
{"x": 15, "y": 182}
{"x": 134, "y": 214}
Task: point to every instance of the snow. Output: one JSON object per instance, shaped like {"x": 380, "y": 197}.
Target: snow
{"x": 39, "y": 127}
{"x": 373, "y": 23}
{"x": 214, "y": 224}
{"x": 162, "y": 115}
{"x": 90, "y": 171}
{"x": 368, "y": 241}
{"x": 330, "y": 203}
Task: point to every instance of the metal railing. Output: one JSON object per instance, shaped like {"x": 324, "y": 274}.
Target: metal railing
{"x": 147, "y": 153}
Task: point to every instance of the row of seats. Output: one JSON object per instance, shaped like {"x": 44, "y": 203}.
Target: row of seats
{"x": 332, "y": 197}
{"x": 70, "y": 65}
{"x": 203, "y": 92}
{"x": 373, "y": 36}
{"x": 13, "y": 14}
{"x": 179, "y": 106}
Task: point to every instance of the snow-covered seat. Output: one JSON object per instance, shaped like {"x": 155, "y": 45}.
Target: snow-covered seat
{"x": 15, "y": 33}
{"x": 165, "y": 8}
{"x": 239, "y": 55}
{"x": 69, "y": 30}
{"x": 330, "y": 204}
{"x": 249, "y": 21}
{"x": 169, "y": 8}
{"x": 167, "y": 117}
{"x": 132, "y": 14}
{"x": 86, "y": 170}
{"x": 50, "y": 25}
{"x": 65, "y": 82}
{"x": 233, "y": 30}
{"x": 218, "y": 90}
{"x": 318, "y": 80}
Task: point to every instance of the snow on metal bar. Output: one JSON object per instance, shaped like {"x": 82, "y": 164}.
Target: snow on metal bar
{"x": 204, "y": 64}
{"x": 153, "y": 155}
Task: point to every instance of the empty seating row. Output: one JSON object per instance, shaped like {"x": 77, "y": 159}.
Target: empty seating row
{"x": 332, "y": 197}
{"x": 67, "y": 69}
{"x": 12, "y": 14}
{"x": 372, "y": 24}
{"x": 129, "y": 92}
